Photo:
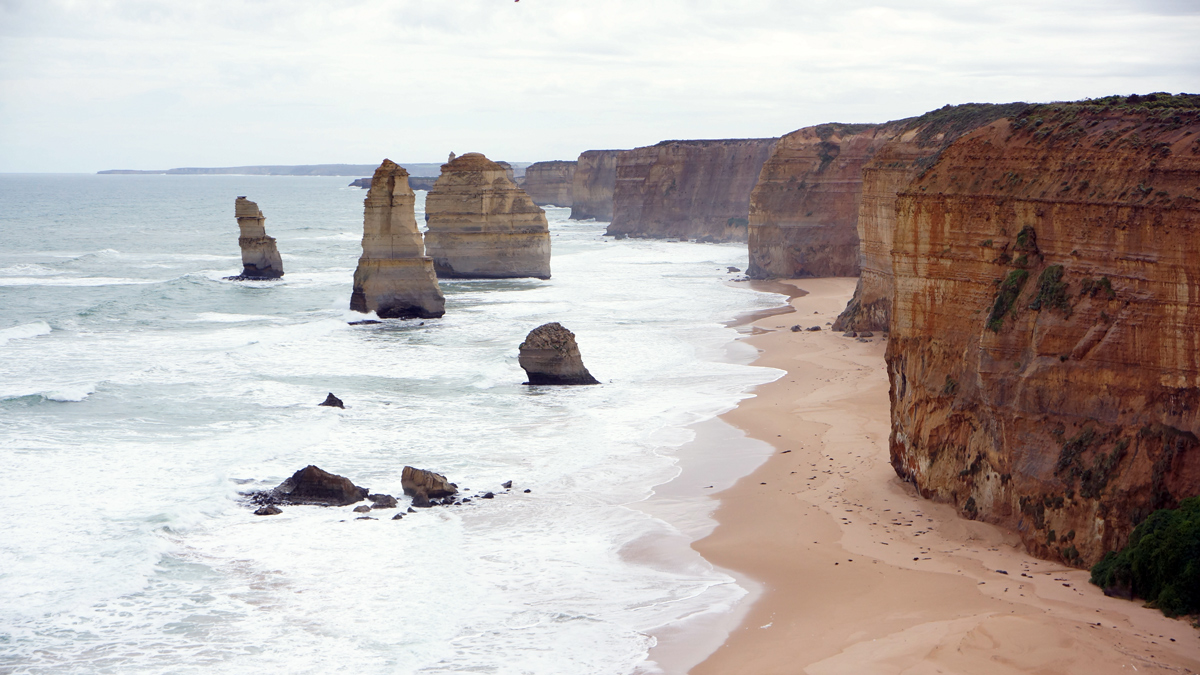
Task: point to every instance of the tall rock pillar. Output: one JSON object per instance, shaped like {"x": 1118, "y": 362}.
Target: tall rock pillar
{"x": 260, "y": 257}
{"x": 482, "y": 226}
{"x": 394, "y": 278}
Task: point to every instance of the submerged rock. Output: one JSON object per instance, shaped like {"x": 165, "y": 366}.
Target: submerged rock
{"x": 268, "y": 510}
{"x": 362, "y": 509}
{"x": 549, "y": 355}
{"x": 383, "y": 501}
{"x": 311, "y": 485}
{"x": 260, "y": 257}
{"x": 332, "y": 401}
{"x": 394, "y": 278}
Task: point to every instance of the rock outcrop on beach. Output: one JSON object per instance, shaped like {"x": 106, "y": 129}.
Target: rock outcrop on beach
{"x": 482, "y": 226}
{"x": 915, "y": 146}
{"x": 394, "y": 278}
{"x": 688, "y": 189}
{"x": 424, "y": 485}
{"x": 550, "y": 355}
{"x": 593, "y": 184}
{"x": 260, "y": 257}
{"x": 805, "y": 207}
{"x": 550, "y": 183}
{"x": 311, "y": 485}
{"x": 1045, "y": 338}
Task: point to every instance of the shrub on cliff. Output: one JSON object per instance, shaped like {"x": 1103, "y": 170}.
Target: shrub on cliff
{"x": 1161, "y": 562}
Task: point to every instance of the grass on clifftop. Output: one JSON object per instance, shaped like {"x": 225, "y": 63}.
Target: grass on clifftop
{"x": 1161, "y": 564}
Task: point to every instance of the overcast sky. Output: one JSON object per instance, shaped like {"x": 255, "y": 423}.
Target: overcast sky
{"x": 153, "y": 84}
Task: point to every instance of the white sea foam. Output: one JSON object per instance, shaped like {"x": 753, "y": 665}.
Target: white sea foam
{"x": 24, "y": 331}
{"x": 77, "y": 281}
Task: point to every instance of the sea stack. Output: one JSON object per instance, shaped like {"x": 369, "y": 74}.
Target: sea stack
{"x": 482, "y": 226}
{"x": 394, "y": 278}
{"x": 260, "y": 257}
{"x": 550, "y": 355}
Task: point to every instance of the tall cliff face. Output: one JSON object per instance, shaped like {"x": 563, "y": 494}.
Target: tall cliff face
{"x": 915, "y": 146}
{"x": 394, "y": 278}
{"x": 688, "y": 189}
{"x": 550, "y": 183}
{"x": 593, "y": 184}
{"x": 1045, "y": 347}
{"x": 482, "y": 226}
{"x": 804, "y": 210}
{"x": 260, "y": 257}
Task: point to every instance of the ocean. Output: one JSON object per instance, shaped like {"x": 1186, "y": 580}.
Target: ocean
{"x": 140, "y": 392}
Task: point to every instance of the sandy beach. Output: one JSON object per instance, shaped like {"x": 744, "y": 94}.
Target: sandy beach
{"x": 857, "y": 574}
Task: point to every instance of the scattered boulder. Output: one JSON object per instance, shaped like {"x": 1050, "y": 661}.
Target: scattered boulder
{"x": 268, "y": 510}
{"x": 383, "y": 501}
{"x": 366, "y": 322}
{"x": 311, "y": 485}
{"x": 850, "y": 333}
{"x": 425, "y": 486}
{"x": 527, "y": 491}
{"x": 366, "y": 518}
{"x": 333, "y": 401}
{"x": 733, "y": 269}
{"x": 507, "y": 485}
{"x": 489, "y": 495}
{"x": 796, "y": 329}
{"x": 549, "y": 355}
{"x": 398, "y": 516}
{"x": 866, "y": 334}
{"x": 813, "y": 328}
{"x": 362, "y": 509}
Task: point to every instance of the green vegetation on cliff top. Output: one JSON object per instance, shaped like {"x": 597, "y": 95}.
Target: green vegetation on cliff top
{"x": 1161, "y": 564}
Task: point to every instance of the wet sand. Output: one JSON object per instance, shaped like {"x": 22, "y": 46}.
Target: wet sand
{"x": 854, "y": 573}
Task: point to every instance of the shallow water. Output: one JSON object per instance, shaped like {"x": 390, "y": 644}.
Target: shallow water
{"x": 139, "y": 392}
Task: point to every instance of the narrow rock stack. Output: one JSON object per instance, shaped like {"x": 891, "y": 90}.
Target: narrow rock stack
{"x": 394, "y": 278}
{"x": 260, "y": 257}
{"x": 550, "y": 355}
{"x": 482, "y": 226}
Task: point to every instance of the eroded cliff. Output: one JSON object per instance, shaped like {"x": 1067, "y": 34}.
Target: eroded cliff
{"x": 687, "y": 189}
{"x": 593, "y": 183}
{"x": 1045, "y": 338}
{"x": 914, "y": 147}
{"x": 482, "y": 226}
{"x": 550, "y": 183}
{"x": 394, "y": 278}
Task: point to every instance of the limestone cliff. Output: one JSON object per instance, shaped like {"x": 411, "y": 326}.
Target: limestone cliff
{"x": 260, "y": 257}
{"x": 394, "y": 278}
{"x": 804, "y": 210}
{"x": 593, "y": 184}
{"x": 1045, "y": 343}
{"x": 688, "y": 189}
{"x": 481, "y": 225}
{"x": 914, "y": 148}
{"x": 549, "y": 183}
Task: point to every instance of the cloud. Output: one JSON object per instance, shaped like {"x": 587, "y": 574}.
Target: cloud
{"x": 91, "y": 84}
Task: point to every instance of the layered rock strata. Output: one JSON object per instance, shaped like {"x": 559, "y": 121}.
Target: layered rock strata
{"x": 805, "y": 207}
{"x": 688, "y": 189}
{"x": 394, "y": 278}
{"x": 592, "y": 186}
{"x": 550, "y": 183}
{"x": 914, "y": 148}
{"x": 1045, "y": 337}
{"x": 424, "y": 485}
{"x": 260, "y": 257}
{"x": 482, "y": 226}
{"x": 550, "y": 355}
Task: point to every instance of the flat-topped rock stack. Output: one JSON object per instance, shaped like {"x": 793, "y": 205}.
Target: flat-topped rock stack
{"x": 394, "y": 279}
{"x": 592, "y": 185}
{"x": 550, "y": 183}
{"x": 260, "y": 257}
{"x": 482, "y": 226}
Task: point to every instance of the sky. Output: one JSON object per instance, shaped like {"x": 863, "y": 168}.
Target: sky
{"x": 87, "y": 85}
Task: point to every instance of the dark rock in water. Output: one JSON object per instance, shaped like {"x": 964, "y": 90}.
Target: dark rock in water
{"x": 420, "y": 501}
{"x": 527, "y": 491}
{"x": 383, "y": 501}
{"x": 366, "y": 518}
{"x": 489, "y": 496}
{"x": 549, "y": 355}
{"x": 411, "y": 510}
{"x": 426, "y": 485}
{"x": 733, "y": 269}
{"x": 507, "y": 485}
{"x": 362, "y": 509}
{"x": 365, "y": 322}
{"x": 398, "y": 516}
{"x": 814, "y": 328}
{"x": 268, "y": 510}
{"x": 466, "y": 500}
{"x": 796, "y": 329}
{"x": 311, "y": 485}
{"x": 333, "y": 401}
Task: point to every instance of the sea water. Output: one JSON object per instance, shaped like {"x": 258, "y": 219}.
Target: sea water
{"x": 140, "y": 393}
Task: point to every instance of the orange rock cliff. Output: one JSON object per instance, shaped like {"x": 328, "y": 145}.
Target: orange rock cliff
{"x": 1044, "y": 354}
{"x": 593, "y": 184}
{"x": 915, "y": 146}
{"x": 687, "y": 189}
{"x": 549, "y": 183}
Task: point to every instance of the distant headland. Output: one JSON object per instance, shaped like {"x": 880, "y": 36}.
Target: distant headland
{"x": 416, "y": 169}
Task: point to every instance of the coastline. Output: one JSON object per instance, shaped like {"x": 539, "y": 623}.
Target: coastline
{"x": 857, "y": 573}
